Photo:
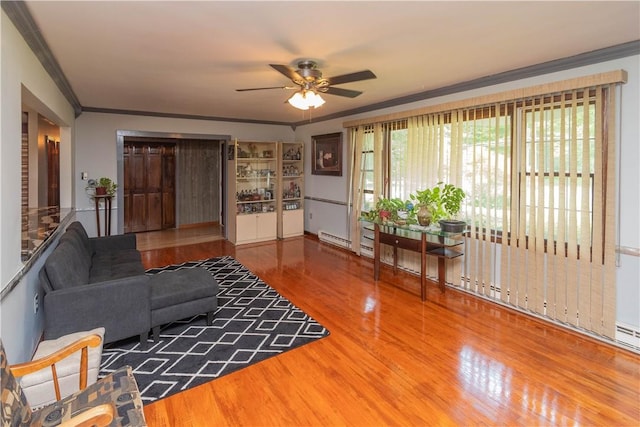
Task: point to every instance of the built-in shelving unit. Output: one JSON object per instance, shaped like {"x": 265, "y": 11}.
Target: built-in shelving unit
{"x": 265, "y": 184}
{"x": 252, "y": 181}
{"x": 291, "y": 218}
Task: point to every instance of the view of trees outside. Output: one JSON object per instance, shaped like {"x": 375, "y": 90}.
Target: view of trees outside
{"x": 486, "y": 163}
{"x": 398, "y": 165}
{"x": 367, "y": 174}
{"x": 553, "y": 136}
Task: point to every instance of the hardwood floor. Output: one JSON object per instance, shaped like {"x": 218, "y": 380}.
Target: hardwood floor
{"x": 178, "y": 237}
{"x": 394, "y": 360}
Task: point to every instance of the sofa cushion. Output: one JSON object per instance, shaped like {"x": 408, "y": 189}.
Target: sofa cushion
{"x": 117, "y": 257}
{"x": 103, "y": 271}
{"x": 76, "y": 240}
{"x": 171, "y": 288}
{"x": 65, "y": 267}
{"x": 76, "y": 229}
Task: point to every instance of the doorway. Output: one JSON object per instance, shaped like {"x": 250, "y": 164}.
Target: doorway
{"x": 185, "y": 170}
{"x": 53, "y": 172}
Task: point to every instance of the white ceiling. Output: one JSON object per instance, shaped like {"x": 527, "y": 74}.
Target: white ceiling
{"x": 183, "y": 57}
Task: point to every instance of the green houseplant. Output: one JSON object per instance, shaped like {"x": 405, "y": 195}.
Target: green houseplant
{"x": 105, "y": 186}
{"x": 443, "y": 201}
{"x": 390, "y": 210}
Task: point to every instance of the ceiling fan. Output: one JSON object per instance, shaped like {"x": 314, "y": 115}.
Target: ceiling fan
{"x": 309, "y": 82}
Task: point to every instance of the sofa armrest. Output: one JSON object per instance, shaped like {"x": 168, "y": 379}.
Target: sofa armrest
{"x": 113, "y": 243}
{"x": 121, "y": 306}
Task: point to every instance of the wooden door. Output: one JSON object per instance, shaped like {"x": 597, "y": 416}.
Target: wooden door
{"x": 154, "y": 187}
{"x": 168, "y": 186}
{"x": 149, "y": 193}
{"x": 53, "y": 172}
{"x": 136, "y": 205}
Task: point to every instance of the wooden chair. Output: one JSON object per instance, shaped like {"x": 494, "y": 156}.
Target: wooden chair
{"x": 62, "y": 366}
{"x": 111, "y": 401}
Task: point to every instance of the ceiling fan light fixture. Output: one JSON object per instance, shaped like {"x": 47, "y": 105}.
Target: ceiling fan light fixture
{"x": 304, "y": 99}
{"x": 314, "y": 99}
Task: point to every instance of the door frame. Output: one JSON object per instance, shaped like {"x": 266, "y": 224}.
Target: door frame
{"x": 120, "y": 136}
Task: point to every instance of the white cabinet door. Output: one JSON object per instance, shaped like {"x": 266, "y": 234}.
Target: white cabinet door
{"x": 266, "y": 226}
{"x": 256, "y": 227}
{"x": 246, "y": 228}
{"x": 292, "y": 223}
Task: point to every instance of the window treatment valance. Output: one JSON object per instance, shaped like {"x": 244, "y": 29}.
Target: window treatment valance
{"x": 610, "y": 77}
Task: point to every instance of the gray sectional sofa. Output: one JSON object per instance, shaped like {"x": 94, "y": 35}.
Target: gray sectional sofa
{"x": 93, "y": 282}
{"x": 101, "y": 282}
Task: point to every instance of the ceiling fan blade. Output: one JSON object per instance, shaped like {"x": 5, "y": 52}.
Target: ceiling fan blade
{"x": 287, "y": 71}
{"x": 265, "y": 88}
{"x": 351, "y": 77}
{"x": 342, "y": 92}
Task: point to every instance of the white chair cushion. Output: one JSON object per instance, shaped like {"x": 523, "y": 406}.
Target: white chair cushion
{"x": 38, "y": 387}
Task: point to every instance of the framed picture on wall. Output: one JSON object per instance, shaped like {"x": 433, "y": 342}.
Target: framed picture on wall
{"x": 327, "y": 154}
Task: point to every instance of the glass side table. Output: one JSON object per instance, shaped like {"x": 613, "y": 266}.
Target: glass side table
{"x": 424, "y": 240}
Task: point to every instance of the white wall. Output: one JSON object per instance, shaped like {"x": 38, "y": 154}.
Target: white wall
{"x": 96, "y": 147}
{"x": 19, "y": 326}
{"x": 332, "y": 217}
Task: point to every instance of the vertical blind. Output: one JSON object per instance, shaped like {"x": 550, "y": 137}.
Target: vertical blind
{"x": 539, "y": 176}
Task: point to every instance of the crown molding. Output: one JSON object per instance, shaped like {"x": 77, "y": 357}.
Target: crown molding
{"x": 179, "y": 116}
{"x": 19, "y": 14}
{"x": 593, "y": 57}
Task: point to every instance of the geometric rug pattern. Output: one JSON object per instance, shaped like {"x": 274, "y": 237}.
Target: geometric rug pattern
{"x": 252, "y": 323}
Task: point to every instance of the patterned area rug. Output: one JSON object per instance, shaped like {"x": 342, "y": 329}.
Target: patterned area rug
{"x": 253, "y": 322}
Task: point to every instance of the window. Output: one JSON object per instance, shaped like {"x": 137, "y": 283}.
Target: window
{"x": 367, "y": 173}
{"x": 538, "y": 174}
{"x": 486, "y": 163}
{"x": 559, "y": 164}
{"x": 398, "y": 159}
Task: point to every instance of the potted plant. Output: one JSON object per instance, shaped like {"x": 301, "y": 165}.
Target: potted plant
{"x": 393, "y": 210}
{"x": 443, "y": 201}
{"x": 105, "y": 187}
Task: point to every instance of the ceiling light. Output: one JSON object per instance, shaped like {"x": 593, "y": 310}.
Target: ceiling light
{"x": 305, "y": 99}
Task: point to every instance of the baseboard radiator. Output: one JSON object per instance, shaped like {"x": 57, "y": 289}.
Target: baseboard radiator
{"x": 628, "y": 336}
{"x": 334, "y": 240}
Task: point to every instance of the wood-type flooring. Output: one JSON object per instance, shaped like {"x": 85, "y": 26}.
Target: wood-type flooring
{"x": 393, "y": 360}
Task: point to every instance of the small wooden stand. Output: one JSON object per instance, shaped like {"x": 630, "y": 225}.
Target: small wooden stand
{"x": 107, "y": 214}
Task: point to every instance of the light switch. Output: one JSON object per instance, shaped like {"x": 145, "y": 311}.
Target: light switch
{"x": 84, "y": 176}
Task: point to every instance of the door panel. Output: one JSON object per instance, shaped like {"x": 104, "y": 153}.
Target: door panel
{"x": 154, "y": 213}
{"x": 138, "y": 213}
{"x": 154, "y": 188}
{"x": 149, "y": 192}
{"x": 168, "y": 187}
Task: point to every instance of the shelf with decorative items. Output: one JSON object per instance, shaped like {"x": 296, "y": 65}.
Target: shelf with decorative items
{"x": 252, "y": 183}
{"x": 291, "y": 218}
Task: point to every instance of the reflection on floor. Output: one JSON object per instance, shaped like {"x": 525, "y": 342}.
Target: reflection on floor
{"x": 37, "y": 225}
{"x": 178, "y": 236}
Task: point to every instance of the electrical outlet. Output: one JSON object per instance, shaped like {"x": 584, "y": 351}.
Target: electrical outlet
{"x": 310, "y": 215}
{"x": 35, "y": 304}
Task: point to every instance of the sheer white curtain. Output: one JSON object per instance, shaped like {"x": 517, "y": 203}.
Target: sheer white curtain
{"x": 366, "y": 156}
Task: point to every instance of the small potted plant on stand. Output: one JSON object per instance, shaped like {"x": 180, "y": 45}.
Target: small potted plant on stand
{"x": 105, "y": 187}
{"x": 443, "y": 202}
